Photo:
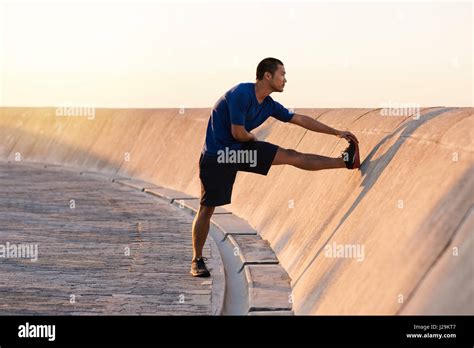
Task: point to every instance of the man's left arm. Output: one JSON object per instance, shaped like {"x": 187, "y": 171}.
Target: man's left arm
{"x": 313, "y": 125}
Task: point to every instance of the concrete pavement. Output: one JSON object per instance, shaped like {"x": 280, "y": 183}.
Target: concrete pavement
{"x": 102, "y": 248}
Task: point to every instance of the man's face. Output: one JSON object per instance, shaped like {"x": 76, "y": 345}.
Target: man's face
{"x": 277, "y": 82}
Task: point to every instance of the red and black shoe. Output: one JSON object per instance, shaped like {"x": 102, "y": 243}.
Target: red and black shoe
{"x": 351, "y": 156}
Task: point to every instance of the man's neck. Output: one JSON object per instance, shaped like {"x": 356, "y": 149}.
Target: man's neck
{"x": 262, "y": 91}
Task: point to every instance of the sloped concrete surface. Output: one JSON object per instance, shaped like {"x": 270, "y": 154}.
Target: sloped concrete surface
{"x": 407, "y": 208}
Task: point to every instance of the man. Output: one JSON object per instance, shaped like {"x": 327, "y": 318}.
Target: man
{"x": 231, "y": 147}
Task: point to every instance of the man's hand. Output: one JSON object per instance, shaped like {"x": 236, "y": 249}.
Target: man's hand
{"x": 347, "y": 135}
{"x": 254, "y": 137}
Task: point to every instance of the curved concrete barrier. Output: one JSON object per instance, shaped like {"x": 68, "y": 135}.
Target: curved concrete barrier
{"x": 388, "y": 239}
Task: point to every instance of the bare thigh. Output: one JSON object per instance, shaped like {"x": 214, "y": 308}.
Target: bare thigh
{"x": 205, "y": 212}
{"x": 286, "y": 156}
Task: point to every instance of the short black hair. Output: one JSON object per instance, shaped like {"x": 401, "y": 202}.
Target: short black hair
{"x": 267, "y": 65}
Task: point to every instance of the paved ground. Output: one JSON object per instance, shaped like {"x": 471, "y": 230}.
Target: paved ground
{"x": 83, "y": 265}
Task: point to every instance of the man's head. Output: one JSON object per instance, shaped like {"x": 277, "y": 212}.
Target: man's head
{"x": 272, "y": 72}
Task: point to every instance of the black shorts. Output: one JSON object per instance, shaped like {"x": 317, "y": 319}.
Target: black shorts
{"x": 217, "y": 177}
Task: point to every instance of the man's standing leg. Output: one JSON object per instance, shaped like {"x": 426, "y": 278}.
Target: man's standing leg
{"x": 200, "y": 230}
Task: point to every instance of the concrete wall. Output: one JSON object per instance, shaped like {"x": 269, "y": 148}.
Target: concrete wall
{"x": 409, "y": 207}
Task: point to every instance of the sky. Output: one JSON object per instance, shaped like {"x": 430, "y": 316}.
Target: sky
{"x": 189, "y": 53}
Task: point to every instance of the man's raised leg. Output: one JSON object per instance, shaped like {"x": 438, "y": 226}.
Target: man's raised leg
{"x": 307, "y": 161}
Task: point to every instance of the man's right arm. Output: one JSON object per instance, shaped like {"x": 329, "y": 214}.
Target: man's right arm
{"x": 238, "y": 102}
{"x": 240, "y": 133}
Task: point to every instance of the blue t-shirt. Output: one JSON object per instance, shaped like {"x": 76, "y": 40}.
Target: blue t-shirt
{"x": 239, "y": 106}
